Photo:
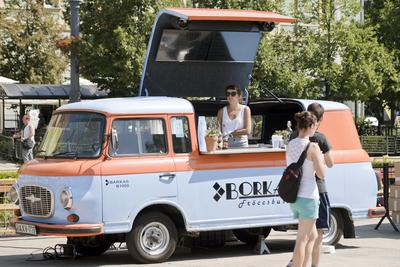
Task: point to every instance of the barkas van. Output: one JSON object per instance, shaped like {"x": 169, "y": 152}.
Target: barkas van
{"x": 130, "y": 169}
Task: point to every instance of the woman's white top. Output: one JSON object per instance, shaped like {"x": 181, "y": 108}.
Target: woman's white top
{"x": 308, "y": 185}
{"x": 230, "y": 125}
{"x": 25, "y": 133}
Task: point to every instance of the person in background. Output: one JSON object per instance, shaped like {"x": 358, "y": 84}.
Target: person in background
{"x": 323, "y": 221}
{"x": 305, "y": 209}
{"x": 27, "y": 132}
{"x": 235, "y": 118}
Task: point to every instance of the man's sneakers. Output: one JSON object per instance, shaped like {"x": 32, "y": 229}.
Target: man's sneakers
{"x": 290, "y": 264}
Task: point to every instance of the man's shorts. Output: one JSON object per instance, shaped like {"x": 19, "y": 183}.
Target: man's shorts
{"x": 323, "y": 221}
{"x": 305, "y": 208}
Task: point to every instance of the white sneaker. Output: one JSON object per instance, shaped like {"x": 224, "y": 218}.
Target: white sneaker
{"x": 290, "y": 264}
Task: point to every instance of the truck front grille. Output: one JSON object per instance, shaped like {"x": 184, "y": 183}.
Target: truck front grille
{"x": 36, "y": 201}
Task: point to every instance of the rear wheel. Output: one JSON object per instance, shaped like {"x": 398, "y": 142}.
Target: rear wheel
{"x": 335, "y": 232}
{"x": 90, "y": 246}
{"x": 250, "y": 235}
{"x": 153, "y": 238}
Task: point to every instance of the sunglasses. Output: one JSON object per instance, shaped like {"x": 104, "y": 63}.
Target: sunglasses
{"x": 231, "y": 93}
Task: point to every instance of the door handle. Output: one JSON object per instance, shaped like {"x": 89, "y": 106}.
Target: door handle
{"x": 167, "y": 176}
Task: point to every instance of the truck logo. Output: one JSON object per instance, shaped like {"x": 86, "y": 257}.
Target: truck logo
{"x": 117, "y": 183}
{"x": 33, "y": 199}
{"x": 220, "y": 192}
{"x": 248, "y": 193}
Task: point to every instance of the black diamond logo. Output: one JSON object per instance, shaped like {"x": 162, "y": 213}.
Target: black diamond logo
{"x": 221, "y": 191}
{"x": 216, "y": 186}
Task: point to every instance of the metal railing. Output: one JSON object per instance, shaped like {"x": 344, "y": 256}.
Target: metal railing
{"x": 381, "y": 130}
{"x": 381, "y": 145}
{"x": 380, "y": 140}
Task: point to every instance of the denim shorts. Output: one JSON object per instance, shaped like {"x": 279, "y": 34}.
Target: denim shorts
{"x": 305, "y": 208}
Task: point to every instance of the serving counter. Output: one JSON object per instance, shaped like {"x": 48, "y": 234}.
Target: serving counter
{"x": 259, "y": 148}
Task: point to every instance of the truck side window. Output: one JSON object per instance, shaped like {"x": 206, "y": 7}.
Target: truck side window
{"x": 181, "y": 135}
{"x": 139, "y": 137}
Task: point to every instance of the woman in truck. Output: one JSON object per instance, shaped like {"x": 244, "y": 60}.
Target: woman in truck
{"x": 306, "y": 207}
{"x": 235, "y": 119}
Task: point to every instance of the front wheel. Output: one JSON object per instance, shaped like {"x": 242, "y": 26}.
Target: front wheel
{"x": 335, "y": 232}
{"x": 153, "y": 238}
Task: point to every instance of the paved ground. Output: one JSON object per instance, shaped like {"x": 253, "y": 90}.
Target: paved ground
{"x": 370, "y": 248}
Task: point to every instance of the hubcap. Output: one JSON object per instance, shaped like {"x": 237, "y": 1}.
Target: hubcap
{"x": 330, "y": 235}
{"x": 154, "y": 238}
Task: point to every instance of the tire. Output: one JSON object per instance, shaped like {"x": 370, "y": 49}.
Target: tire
{"x": 90, "y": 246}
{"x": 152, "y": 239}
{"x": 250, "y": 235}
{"x": 335, "y": 233}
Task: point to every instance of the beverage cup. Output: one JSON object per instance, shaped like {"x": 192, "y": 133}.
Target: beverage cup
{"x": 276, "y": 141}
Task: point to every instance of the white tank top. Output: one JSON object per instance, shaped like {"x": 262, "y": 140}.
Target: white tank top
{"x": 25, "y": 133}
{"x": 229, "y": 126}
{"x": 308, "y": 185}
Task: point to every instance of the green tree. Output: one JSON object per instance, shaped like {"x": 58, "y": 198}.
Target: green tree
{"x": 115, "y": 36}
{"x": 27, "y": 50}
{"x": 366, "y": 65}
{"x": 327, "y": 44}
{"x": 286, "y": 65}
{"x": 384, "y": 16}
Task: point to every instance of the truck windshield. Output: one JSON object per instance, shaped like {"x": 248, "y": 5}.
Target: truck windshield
{"x": 75, "y": 134}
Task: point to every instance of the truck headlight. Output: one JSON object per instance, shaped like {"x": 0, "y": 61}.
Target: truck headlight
{"x": 14, "y": 196}
{"x": 66, "y": 198}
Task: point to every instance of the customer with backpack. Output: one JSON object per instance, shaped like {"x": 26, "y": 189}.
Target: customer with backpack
{"x": 323, "y": 221}
{"x": 306, "y": 207}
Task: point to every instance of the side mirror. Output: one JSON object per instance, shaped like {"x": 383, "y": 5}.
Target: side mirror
{"x": 114, "y": 139}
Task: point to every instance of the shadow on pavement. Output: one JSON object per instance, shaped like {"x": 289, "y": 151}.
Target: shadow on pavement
{"x": 33, "y": 256}
{"x": 385, "y": 231}
{"x": 340, "y": 246}
{"x": 122, "y": 257}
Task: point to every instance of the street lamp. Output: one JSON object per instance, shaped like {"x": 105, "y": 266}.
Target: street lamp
{"x": 75, "y": 93}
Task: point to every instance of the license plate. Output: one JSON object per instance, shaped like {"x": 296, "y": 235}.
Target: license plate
{"x": 25, "y": 229}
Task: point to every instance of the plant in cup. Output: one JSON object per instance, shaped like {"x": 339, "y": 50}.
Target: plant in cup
{"x": 212, "y": 139}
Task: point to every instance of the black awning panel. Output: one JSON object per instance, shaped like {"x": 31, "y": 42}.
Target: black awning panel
{"x": 47, "y": 91}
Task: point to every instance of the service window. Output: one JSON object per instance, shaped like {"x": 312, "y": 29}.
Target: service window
{"x": 181, "y": 135}
{"x": 139, "y": 137}
{"x": 257, "y": 123}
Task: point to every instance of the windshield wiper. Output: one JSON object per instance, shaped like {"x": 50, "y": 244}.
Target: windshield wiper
{"x": 65, "y": 153}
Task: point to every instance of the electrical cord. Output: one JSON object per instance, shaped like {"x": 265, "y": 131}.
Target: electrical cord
{"x": 59, "y": 251}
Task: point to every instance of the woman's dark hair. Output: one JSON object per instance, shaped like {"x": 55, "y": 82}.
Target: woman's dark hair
{"x": 234, "y": 87}
{"x": 305, "y": 119}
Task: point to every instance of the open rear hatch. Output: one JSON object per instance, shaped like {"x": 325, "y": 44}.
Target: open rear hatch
{"x": 198, "y": 52}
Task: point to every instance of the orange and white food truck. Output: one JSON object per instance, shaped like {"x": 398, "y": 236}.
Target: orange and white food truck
{"x": 132, "y": 169}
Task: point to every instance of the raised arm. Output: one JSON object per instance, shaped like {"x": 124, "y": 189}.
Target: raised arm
{"x": 247, "y": 123}
{"x": 329, "y": 159}
{"x": 318, "y": 160}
